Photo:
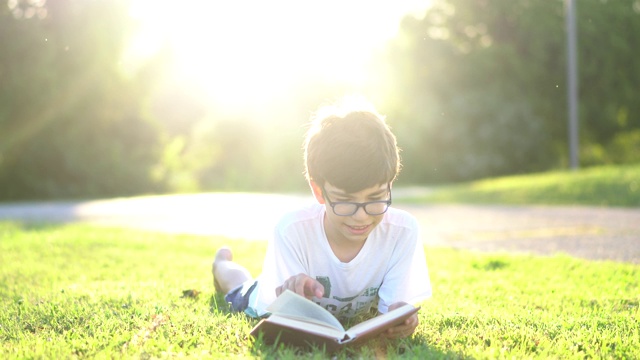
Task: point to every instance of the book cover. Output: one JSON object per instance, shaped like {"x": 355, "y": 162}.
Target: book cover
{"x": 298, "y": 321}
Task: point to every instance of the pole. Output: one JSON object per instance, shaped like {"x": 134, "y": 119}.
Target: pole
{"x": 572, "y": 83}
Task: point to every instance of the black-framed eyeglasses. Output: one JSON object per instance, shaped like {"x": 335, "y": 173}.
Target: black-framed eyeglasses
{"x": 348, "y": 208}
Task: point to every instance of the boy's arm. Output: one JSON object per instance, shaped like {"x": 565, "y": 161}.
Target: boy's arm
{"x": 283, "y": 260}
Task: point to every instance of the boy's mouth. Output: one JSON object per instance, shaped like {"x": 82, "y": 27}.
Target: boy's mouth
{"x": 358, "y": 230}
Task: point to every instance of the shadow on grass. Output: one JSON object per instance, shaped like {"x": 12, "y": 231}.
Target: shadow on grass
{"x": 53, "y": 211}
{"x": 28, "y": 226}
{"x": 218, "y": 304}
{"x": 414, "y": 348}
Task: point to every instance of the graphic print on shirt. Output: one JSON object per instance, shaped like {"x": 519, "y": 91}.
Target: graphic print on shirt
{"x": 348, "y": 306}
{"x": 326, "y": 282}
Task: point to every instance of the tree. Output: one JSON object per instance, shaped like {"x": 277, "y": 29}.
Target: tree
{"x": 479, "y": 86}
{"x": 71, "y": 125}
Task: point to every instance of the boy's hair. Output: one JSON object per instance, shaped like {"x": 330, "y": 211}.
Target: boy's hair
{"x": 350, "y": 149}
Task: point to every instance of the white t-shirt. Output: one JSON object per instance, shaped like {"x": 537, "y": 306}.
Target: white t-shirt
{"x": 390, "y": 267}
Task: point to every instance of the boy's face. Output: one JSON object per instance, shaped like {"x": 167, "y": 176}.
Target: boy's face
{"x": 352, "y": 229}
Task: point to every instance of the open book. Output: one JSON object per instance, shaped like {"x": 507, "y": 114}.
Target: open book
{"x": 298, "y": 321}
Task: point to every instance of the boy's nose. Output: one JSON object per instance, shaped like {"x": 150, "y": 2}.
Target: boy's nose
{"x": 360, "y": 213}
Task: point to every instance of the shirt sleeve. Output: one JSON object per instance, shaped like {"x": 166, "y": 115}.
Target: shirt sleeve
{"x": 407, "y": 278}
{"x": 284, "y": 258}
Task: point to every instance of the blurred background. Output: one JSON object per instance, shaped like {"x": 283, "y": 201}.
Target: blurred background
{"x": 102, "y": 98}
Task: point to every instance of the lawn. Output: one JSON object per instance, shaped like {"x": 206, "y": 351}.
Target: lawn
{"x": 599, "y": 186}
{"x": 77, "y": 291}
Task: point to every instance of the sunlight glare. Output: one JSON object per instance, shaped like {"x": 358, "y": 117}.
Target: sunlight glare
{"x": 248, "y": 52}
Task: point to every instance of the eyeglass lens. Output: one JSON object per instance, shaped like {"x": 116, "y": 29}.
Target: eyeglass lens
{"x": 371, "y": 208}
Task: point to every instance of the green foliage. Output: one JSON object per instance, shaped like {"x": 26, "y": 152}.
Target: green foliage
{"x": 71, "y": 125}
{"x": 93, "y": 292}
{"x": 479, "y": 74}
{"x": 478, "y": 88}
{"x": 474, "y": 89}
{"x": 460, "y": 145}
{"x": 624, "y": 148}
{"x": 601, "y": 186}
{"x": 609, "y": 73}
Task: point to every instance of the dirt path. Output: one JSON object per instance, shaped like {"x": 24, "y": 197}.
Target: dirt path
{"x": 586, "y": 232}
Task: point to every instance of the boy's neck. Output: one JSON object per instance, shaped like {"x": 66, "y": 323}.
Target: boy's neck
{"x": 345, "y": 252}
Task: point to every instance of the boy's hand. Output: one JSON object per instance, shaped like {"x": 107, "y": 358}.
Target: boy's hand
{"x": 405, "y": 329}
{"x": 302, "y": 284}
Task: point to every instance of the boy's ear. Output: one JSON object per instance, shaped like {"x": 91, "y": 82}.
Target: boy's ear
{"x": 317, "y": 191}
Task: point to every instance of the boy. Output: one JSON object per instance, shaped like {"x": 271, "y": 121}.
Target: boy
{"x": 350, "y": 251}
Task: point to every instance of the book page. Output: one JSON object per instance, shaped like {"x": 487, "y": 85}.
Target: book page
{"x": 295, "y": 306}
{"x": 310, "y": 327}
{"x": 382, "y": 321}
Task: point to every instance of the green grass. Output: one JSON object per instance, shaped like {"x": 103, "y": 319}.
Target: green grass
{"x": 77, "y": 291}
{"x": 599, "y": 186}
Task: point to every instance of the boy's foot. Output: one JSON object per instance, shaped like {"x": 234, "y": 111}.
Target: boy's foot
{"x": 223, "y": 254}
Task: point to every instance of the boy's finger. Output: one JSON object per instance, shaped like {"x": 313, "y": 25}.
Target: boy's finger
{"x": 300, "y": 287}
{"x": 308, "y": 287}
{"x": 313, "y": 288}
{"x": 319, "y": 289}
